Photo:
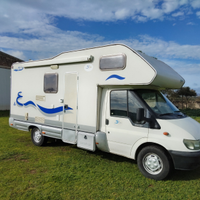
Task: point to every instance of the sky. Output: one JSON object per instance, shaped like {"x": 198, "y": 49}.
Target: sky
{"x": 168, "y": 30}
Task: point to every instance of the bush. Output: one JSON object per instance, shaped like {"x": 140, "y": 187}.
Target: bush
{"x": 191, "y": 112}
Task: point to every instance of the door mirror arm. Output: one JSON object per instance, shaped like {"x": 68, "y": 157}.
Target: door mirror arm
{"x": 151, "y": 120}
{"x": 140, "y": 116}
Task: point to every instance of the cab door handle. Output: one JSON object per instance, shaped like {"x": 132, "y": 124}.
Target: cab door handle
{"x": 65, "y": 106}
{"x": 107, "y": 122}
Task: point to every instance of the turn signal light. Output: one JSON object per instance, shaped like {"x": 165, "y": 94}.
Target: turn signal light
{"x": 43, "y": 132}
{"x": 166, "y": 133}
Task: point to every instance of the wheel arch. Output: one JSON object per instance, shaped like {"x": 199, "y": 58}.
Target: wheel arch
{"x": 34, "y": 126}
{"x": 153, "y": 144}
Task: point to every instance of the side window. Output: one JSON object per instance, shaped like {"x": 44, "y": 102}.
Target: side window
{"x": 118, "y": 103}
{"x": 124, "y": 103}
{"x": 113, "y": 62}
{"x": 51, "y": 83}
{"x": 133, "y": 105}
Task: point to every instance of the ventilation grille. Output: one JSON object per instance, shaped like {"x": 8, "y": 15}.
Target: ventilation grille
{"x": 40, "y": 98}
{"x": 40, "y": 120}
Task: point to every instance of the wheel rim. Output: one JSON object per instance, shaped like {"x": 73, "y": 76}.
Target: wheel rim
{"x": 37, "y": 136}
{"x": 152, "y": 163}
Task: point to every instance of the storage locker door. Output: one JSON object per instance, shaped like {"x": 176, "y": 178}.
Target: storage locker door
{"x": 70, "y": 108}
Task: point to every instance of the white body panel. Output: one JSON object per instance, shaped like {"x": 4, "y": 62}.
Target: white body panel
{"x": 121, "y": 134}
{"x": 85, "y": 88}
{"x": 124, "y": 138}
{"x": 27, "y": 78}
{"x": 90, "y": 105}
{"x": 178, "y": 129}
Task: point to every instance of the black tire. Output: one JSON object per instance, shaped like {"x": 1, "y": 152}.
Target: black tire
{"x": 37, "y": 138}
{"x": 154, "y": 163}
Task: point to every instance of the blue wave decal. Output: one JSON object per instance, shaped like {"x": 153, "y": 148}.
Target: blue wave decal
{"x": 115, "y": 76}
{"x": 69, "y": 108}
{"x": 43, "y": 109}
{"x": 29, "y": 103}
{"x": 19, "y": 69}
{"x": 52, "y": 110}
{"x": 18, "y": 97}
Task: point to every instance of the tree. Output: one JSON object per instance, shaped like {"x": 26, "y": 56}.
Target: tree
{"x": 171, "y": 94}
{"x": 187, "y": 93}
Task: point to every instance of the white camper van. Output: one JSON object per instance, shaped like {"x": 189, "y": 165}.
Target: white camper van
{"x": 108, "y": 98}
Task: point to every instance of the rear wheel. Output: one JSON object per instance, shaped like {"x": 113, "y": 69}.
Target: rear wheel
{"x": 37, "y": 138}
{"x": 154, "y": 162}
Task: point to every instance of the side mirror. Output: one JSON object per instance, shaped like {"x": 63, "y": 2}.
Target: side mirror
{"x": 140, "y": 114}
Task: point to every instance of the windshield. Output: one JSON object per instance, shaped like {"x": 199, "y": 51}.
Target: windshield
{"x": 159, "y": 103}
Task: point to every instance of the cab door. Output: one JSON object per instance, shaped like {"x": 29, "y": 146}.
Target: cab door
{"x": 122, "y": 130}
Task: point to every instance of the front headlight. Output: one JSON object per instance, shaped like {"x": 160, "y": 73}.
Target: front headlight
{"x": 192, "y": 144}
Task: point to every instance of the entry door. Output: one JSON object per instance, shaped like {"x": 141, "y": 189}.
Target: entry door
{"x": 70, "y": 108}
{"x": 121, "y": 129}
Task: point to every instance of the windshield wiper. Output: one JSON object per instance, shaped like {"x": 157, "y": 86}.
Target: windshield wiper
{"x": 175, "y": 113}
{"x": 166, "y": 114}
{"x": 179, "y": 113}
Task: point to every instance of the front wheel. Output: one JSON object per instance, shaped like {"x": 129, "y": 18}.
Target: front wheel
{"x": 154, "y": 163}
{"x": 37, "y": 138}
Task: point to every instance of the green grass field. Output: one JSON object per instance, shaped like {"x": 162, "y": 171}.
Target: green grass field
{"x": 62, "y": 171}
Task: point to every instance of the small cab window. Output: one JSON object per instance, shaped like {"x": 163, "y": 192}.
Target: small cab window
{"x": 51, "y": 83}
{"x": 113, "y": 62}
{"x": 118, "y": 103}
{"x": 124, "y": 103}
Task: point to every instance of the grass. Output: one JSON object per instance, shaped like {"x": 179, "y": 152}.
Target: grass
{"x": 62, "y": 171}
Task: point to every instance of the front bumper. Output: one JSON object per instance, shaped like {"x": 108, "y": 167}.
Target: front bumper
{"x": 185, "y": 160}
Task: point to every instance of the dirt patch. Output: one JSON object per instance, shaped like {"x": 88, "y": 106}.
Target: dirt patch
{"x": 24, "y": 160}
{"x": 33, "y": 171}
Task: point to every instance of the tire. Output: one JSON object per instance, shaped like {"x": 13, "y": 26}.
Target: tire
{"x": 37, "y": 138}
{"x": 153, "y": 162}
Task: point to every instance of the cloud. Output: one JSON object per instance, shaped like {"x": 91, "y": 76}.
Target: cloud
{"x": 50, "y": 45}
{"x": 160, "y": 48}
{"x": 190, "y": 23}
{"x": 37, "y": 18}
{"x": 30, "y": 26}
{"x": 17, "y": 54}
{"x": 29, "y": 15}
{"x": 170, "y": 5}
{"x": 195, "y": 4}
{"x": 189, "y": 71}
{"x": 178, "y": 14}
{"x": 198, "y": 14}
{"x": 184, "y": 68}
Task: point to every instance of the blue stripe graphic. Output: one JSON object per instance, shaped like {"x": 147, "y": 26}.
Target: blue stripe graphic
{"x": 18, "y": 97}
{"x": 43, "y": 109}
{"x": 29, "y": 103}
{"x": 19, "y": 69}
{"x": 52, "y": 110}
{"x": 115, "y": 76}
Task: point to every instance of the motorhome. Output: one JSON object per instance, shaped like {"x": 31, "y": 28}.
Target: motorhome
{"x": 109, "y": 98}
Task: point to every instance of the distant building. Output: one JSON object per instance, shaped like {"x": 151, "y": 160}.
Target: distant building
{"x": 6, "y": 62}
